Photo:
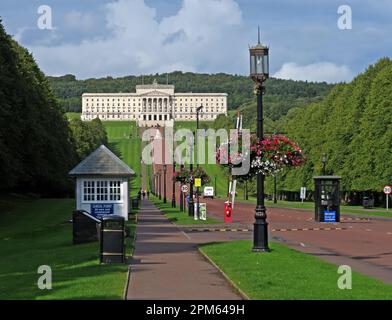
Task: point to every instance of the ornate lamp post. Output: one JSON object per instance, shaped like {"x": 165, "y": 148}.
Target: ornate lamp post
{"x": 191, "y": 205}
{"x": 197, "y": 159}
{"x": 174, "y": 185}
{"x": 181, "y": 194}
{"x": 159, "y": 185}
{"x": 164, "y": 183}
{"x": 259, "y": 72}
{"x": 215, "y": 190}
{"x": 324, "y": 161}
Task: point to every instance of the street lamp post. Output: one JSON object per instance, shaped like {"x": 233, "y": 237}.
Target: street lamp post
{"x": 215, "y": 190}
{"x": 159, "y": 185}
{"x": 197, "y": 159}
{"x": 275, "y": 190}
{"x": 181, "y": 193}
{"x": 191, "y": 204}
{"x": 174, "y": 185}
{"x": 164, "y": 183}
{"x": 259, "y": 65}
{"x": 324, "y": 161}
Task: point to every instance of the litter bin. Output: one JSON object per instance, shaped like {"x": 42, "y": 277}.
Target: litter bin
{"x": 112, "y": 246}
{"x": 85, "y": 227}
{"x": 367, "y": 203}
{"x": 135, "y": 203}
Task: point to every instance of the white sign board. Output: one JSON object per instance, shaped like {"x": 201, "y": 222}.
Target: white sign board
{"x": 202, "y": 211}
{"x": 184, "y": 188}
{"x": 387, "y": 190}
{"x": 302, "y": 194}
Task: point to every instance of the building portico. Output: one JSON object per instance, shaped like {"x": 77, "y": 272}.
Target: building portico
{"x": 152, "y": 104}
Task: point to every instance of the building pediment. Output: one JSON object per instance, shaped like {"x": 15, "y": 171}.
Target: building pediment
{"x": 154, "y": 93}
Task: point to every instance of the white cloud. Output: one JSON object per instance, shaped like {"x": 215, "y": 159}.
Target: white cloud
{"x": 202, "y": 36}
{"x": 321, "y": 71}
{"x": 79, "y": 21}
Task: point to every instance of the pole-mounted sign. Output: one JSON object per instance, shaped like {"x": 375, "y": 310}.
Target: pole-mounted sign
{"x": 184, "y": 188}
{"x": 387, "y": 190}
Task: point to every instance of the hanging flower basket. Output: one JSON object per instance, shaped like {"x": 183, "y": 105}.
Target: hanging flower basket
{"x": 268, "y": 156}
{"x": 187, "y": 176}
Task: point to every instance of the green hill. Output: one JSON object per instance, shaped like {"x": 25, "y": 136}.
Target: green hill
{"x": 124, "y": 140}
{"x": 280, "y": 97}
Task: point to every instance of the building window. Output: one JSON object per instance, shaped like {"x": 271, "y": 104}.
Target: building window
{"x": 115, "y": 191}
{"x": 89, "y": 190}
{"x": 102, "y": 190}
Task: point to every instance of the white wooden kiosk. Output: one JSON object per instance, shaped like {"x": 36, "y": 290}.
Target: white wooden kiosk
{"x": 102, "y": 184}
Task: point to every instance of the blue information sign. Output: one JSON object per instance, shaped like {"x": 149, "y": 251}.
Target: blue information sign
{"x": 101, "y": 209}
{"x": 329, "y": 216}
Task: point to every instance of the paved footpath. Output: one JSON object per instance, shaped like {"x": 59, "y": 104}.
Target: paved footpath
{"x": 167, "y": 265}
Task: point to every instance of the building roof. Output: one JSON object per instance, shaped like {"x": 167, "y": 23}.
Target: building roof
{"x": 102, "y": 162}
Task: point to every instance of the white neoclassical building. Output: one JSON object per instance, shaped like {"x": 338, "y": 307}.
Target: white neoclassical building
{"x": 153, "y": 104}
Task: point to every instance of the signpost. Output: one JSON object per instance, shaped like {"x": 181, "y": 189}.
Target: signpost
{"x": 197, "y": 182}
{"x": 387, "y": 191}
{"x": 184, "y": 188}
{"x": 302, "y": 194}
{"x": 202, "y": 210}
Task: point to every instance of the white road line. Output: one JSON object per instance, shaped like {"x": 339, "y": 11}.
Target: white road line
{"x": 188, "y": 237}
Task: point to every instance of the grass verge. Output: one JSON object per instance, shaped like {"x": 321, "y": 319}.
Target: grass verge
{"x": 178, "y": 217}
{"x": 39, "y": 232}
{"x": 288, "y": 274}
{"x": 356, "y": 210}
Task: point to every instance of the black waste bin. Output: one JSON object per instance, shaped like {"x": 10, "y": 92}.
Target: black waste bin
{"x": 135, "y": 203}
{"x": 85, "y": 227}
{"x": 112, "y": 246}
{"x": 367, "y": 202}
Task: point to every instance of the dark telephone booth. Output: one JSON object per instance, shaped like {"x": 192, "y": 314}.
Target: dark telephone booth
{"x": 327, "y": 198}
{"x": 112, "y": 240}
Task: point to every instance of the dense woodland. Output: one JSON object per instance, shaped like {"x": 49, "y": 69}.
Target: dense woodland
{"x": 353, "y": 126}
{"x": 37, "y": 145}
{"x": 281, "y": 94}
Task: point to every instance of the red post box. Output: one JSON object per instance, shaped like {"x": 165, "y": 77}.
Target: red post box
{"x": 228, "y": 212}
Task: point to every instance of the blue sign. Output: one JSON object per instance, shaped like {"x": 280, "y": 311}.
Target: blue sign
{"x": 101, "y": 209}
{"x": 329, "y": 216}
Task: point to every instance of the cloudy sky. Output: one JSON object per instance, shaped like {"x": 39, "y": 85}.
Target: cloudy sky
{"x": 98, "y": 38}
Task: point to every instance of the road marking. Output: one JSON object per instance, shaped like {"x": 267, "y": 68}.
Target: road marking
{"x": 274, "y": 230}
{"x": 368, "y": 230}
{"x": 389, "y": 232}
{"x": 189, "y": 238}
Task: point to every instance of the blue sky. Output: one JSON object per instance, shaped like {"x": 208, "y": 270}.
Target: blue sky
{"x": 98, "y": 38}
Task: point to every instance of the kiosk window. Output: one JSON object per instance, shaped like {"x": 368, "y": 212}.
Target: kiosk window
{"x": 101, "y": 190}
{"x": 88, "y": 190}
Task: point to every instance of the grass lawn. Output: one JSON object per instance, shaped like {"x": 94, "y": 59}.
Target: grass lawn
{"x": 124, "y": 140}
{"x": 310, "y": 206}
{"x": 178, "y": 217}
{"x": 288, "y": 274}
{"x": 73, "y": 115}
{"x": 38, "y": 232}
